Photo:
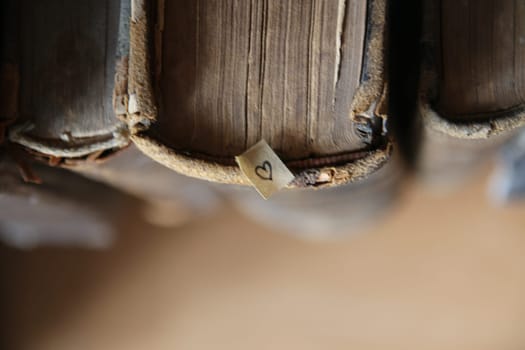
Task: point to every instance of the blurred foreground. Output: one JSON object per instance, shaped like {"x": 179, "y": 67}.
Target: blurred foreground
{"x": 437, "y": 272}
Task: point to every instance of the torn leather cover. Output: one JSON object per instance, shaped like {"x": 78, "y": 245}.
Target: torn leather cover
{"x": 67, "y": 54}
{"x": 179, "y": 60}
{"x": 455, "y": 143}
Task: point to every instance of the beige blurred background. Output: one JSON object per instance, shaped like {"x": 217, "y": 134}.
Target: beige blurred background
{"x": 438, "y": 272}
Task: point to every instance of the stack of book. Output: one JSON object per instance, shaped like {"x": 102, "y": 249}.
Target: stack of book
{"x": 351, "y": 96}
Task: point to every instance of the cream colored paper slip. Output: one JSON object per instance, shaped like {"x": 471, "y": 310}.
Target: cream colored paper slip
{"x": 265, "y": 170}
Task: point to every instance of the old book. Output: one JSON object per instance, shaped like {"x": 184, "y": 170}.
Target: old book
{"x": 66, "y": 54}
{"x": 208, "y": 79}
{"x": 64, "y": 65}
{"x": 472, "y": 95}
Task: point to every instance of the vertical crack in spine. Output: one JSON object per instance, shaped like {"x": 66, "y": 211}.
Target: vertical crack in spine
{"x": 285, "y": 72}
{"x": 341, "y": 31}
{"x": 309, "y": 75}
{"x": 248, "y": 72}
{"x": 262, "y": 73}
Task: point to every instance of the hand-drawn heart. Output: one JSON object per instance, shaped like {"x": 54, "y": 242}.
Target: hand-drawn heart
{"x": 264, "y": 171}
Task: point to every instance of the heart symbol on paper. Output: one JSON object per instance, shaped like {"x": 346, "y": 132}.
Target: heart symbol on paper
{"x": 264, "y": 171}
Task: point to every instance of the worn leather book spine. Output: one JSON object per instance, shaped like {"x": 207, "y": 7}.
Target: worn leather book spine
{"x": 66, "y": 55}
{"x": 63, "y": 82}
{"x": 472, "y": 93}
{"x": 207, "y": 80}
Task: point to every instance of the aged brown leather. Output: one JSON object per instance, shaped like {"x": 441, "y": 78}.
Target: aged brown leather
{"x": 66, "y": 53}
{"x": 472, "y": 95}
{"x": 209, "y": 79}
